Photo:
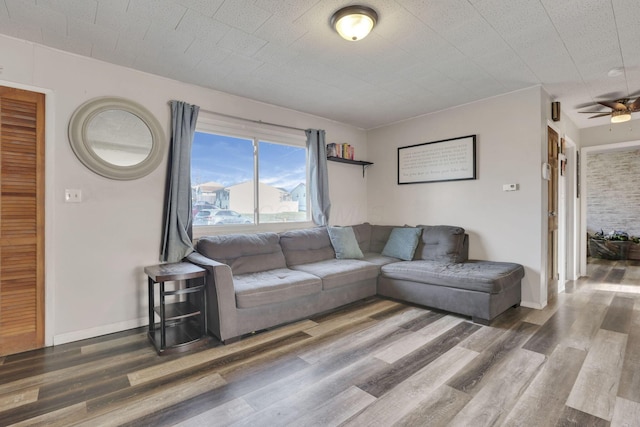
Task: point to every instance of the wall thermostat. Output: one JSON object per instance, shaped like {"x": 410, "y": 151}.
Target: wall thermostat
{"x": 546, "y": 171}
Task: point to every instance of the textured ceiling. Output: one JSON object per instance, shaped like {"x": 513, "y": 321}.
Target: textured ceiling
{"x": 423, "y": 56}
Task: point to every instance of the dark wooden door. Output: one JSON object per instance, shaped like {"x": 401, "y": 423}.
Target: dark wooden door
{"x": 21, "y": 220}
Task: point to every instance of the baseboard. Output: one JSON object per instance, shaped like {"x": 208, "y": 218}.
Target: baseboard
{"x": 530, "y": 304}
{"x": 99, "y": 330}
{"x": 143, "y": 321}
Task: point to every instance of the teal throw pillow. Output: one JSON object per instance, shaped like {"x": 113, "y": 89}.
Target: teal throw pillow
{"x": 344, "y": 242}
{"x": 402, "y": 243}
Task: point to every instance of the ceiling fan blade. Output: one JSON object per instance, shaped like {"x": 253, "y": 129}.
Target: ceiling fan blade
{"x": 613, "y": 104}
{"x": 613, "y": 95}
{"x": 600, "y": 115}
{"x": 585, "y": 105}
{"x": 635, "y": 106}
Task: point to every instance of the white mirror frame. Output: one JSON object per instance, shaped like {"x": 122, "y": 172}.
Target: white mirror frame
{"x": 82, "y": 117}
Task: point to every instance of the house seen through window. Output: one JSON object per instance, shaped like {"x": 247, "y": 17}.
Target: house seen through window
{"x": 224, "y": 173}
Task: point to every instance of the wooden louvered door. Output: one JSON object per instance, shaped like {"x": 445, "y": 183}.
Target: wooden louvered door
{"x": 21, "y": 220}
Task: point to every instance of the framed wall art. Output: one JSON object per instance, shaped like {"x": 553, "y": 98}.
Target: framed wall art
{"x": 446, "y": 160}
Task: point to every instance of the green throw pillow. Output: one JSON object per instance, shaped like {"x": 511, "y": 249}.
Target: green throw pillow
{"x": 344, "y": 242}
{"x": 402, "y": 243}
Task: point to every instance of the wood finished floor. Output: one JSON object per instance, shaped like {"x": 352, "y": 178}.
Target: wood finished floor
{"x": 374, "y": 363}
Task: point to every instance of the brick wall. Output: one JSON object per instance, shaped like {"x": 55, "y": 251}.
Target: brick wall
{"x": 613, "y": 191}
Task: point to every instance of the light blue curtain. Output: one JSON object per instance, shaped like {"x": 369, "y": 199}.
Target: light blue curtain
{"x": 176, "y": 239}
{"x": 319, "y": 177}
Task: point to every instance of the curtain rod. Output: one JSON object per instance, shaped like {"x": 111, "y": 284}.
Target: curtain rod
{"x": 260, "y": 122}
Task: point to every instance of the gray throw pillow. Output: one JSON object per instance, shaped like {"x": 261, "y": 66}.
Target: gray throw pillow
{"x": 344, "y": 242}
{"x": 402, "y": 243}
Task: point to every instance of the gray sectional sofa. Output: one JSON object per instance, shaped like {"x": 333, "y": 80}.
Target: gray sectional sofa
{"x": 256, "y": 281}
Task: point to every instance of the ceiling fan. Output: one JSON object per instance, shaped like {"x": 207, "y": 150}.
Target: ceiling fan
{"x": 621, "y": 109}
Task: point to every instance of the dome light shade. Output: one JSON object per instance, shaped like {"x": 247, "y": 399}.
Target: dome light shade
{"x": 620, "y": 116}
{"x": 354, "y": 22}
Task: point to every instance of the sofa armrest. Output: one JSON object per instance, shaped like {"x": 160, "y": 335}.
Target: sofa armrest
{"x": 221, "y": 296}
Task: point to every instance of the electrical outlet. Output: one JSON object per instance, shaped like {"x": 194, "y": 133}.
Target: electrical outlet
{"x": 72, "y": 195}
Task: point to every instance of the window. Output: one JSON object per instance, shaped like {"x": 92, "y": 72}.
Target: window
{"x": 225, "y": 166}
{"x": 283, "y": 176}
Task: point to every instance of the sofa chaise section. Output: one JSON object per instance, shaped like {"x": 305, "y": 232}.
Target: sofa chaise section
{"x": 480, "y": 289}
{"x": 441, "y": 276}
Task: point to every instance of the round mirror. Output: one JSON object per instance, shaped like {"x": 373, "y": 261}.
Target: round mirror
{"x": 116, "y": 138}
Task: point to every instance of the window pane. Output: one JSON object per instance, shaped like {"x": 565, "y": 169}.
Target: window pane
{"x": 222, "y": 180}
{"x": 283, "y": 177}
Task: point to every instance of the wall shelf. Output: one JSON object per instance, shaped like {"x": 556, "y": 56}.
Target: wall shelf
{"x": 362, "y": 163}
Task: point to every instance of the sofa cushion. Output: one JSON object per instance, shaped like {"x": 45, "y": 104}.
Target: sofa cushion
{"x": 244, "y": 253}
{"x": 363, "y": 236}
{"x": 402, "y": 243}
{"x": 482, "y": 276}
{"x": 441, "y": 243}
{"x": 306, "y": 245}
{"x": 344, "y": 242}
{"x": 379, "y": 236}
{"x": 273, "y": 286}
{"x": 340, "y": 272}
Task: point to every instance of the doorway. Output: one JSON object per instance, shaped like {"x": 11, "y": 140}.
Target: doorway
{"x": 570, "y": 219}
{"x": 615, "y": 189}
{"x": 22, "y": 129}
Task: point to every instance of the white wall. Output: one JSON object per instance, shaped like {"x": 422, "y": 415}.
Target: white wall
{"x": 503, "y": 226}
{"x": 96, "y": 250}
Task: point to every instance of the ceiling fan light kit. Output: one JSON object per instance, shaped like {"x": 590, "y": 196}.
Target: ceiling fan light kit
{"x": 354, "y": 22}
{"x": 620, "y": 116}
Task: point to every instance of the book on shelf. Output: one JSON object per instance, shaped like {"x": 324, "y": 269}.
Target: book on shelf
{"x": 332, "y": 150}
{"x": 350, "y": 152}
{"x": 343, "y": 151}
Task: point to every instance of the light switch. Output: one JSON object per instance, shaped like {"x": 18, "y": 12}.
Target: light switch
{"x": 72, "y": 195}
{"x": 509, "y": 187}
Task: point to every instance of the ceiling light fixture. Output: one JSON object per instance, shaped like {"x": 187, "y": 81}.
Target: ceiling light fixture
{"x": 620, "y": 116}
{"x": 354, "y": 22}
